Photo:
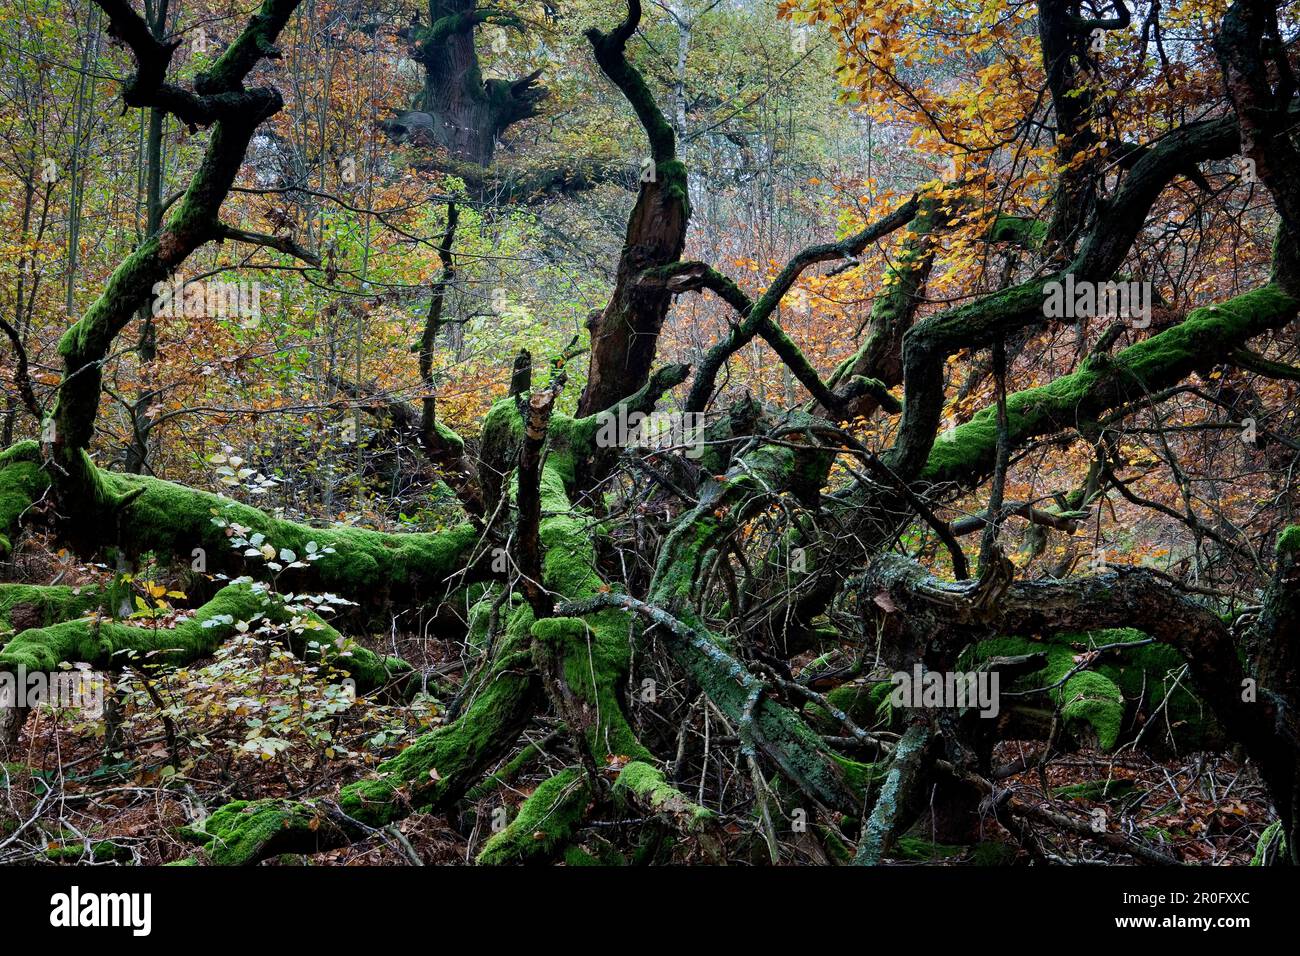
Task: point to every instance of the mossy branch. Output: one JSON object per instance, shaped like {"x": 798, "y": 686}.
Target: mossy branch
{"x": 758, "y": 319}
{"x": 895, "y": 805}
{"x": 106, "y": 643}
{"x": 139, "y": 514}
{"x": 966, "y": 455}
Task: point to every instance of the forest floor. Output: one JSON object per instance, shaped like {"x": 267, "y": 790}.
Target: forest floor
{"x": 77, "y": 806}
{"x": 253, "y": 721}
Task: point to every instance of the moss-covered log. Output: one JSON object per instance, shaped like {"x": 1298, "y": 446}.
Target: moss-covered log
{"x": 138, "y": 514}
{"x": 1104, "y": 382}
{"x": 24, "y": 606}
{"x": 106, "y": 643}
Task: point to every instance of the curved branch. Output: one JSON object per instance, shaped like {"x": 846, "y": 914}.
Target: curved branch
{"x": 758, "y": 318}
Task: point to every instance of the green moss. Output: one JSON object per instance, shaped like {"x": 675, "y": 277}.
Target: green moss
{"x": 1102, "y": 699}
{"x": 862, "y": 777}
{"x": 1271, "y": 845}
{"x": 596, "y": 852}
{"x": 594, "y": 657}
{"x": 1288, "y": 542}
{"x": 803, "y": 756}
{"x": 993, "y": 853}
{"x": 1095, "y": 790}
{"x": 839, "y": 851}
{"x": 652, "y": 790}
{"x": 922, "y": 850}
{"x": 577, "y": 856}
{"x": 1093, "y": 699}
{"x": 448, "y": 438}
{"x": 103, "y": 851}
{"x": 141, "y": 514}
{"x": 1148, "y": 674}
{"x": 28, "y": 605}
{"x": 103, "y": 643}
{"x": 865, "y": 704}
{"x": 22, "y": 481}
{"x": 431, "y": 38}
{"x": 673, "y": 176}
{"x": 243, "y": 832}
{"x": 1021, "y": 230}
{"x": 546, "y": 821}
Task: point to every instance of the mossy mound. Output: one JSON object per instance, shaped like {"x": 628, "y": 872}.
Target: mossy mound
{"x": 24, "y": 606}
{"x": 1102, "y": 704}
{"x": 924, "y": 850}
{"x": 1095, "y": 790}
{"x": 104, "y": 851}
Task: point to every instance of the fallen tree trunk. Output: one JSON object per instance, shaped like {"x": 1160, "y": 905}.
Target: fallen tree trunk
{"x": 105, "y": 643}
{"x": 138, "y": 514}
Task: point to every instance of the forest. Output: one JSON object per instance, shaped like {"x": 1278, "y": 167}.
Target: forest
{"x": 649, "y": 432}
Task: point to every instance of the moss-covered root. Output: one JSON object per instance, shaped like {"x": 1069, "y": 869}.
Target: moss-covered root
{"x": 105, "y": 643}
{"x": 590, "y": 657}
{"x": 243, "y": 832}
{"x": 435, "y": 771}
{"x": 546, "y": 821}
{"x": 642, "y": 785}
{"x": 24, "y": 606}
{"x": 893, "y": 810}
